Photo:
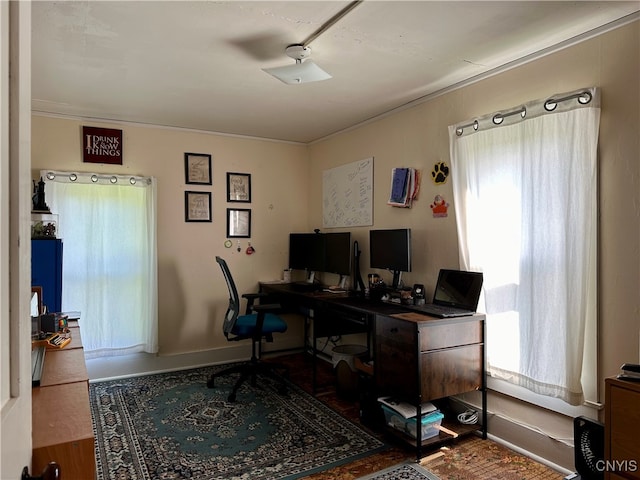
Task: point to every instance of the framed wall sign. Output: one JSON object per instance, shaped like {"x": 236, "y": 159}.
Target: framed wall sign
{"x": 238, "y": 222}
{"x": 197, "y": 206}
{"x": 197, "y": 168}
{"x": 238, "y": 187}
{"x": 101, "y": 145}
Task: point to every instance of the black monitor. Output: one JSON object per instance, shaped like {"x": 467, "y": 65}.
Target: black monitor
{"x": 306, "y": 252}
{"x": 338, "y": 255}
{"x": 391, "y": 250}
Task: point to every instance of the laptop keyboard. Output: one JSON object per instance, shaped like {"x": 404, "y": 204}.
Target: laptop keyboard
{"x": 440, "y": 310}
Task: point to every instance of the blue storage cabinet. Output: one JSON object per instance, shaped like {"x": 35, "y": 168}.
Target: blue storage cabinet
{"x": 46, "y": 271}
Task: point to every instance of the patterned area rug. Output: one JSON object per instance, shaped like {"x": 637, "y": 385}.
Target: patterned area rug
{"x": 171, "y": 426}
{"x": 404, "y": 471}
{"x": 477, "y": 459}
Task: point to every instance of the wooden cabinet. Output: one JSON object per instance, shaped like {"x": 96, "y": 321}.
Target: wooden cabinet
{"x": 421, "y": 358}
{"x": 622, "y": 425}
{"x": 62, "y": 430}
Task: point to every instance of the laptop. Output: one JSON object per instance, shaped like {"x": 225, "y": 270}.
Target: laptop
{"x": 456, "y": 295}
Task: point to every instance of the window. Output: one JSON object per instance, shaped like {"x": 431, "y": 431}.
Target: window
{"x": 108, "y": 225}
{"x": 525, "y": 190}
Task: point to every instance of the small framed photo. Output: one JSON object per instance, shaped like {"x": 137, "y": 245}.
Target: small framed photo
{"x": 197, "y": 206}
{"x": 238, "y": 187}
{"x": 197, "y": 169}
{"x": 238, "y": 222}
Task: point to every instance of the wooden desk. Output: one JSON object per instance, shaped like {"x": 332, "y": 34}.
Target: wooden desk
{"x": 622, "y": 424}
{"x": 62, "y": 429}
{"x": 331, "y": 314}
{"x": 416, "y": 357}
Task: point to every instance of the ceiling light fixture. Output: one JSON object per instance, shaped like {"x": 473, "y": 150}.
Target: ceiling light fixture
{"x": 302, "y": 71}
{"x": 305, "y": 71}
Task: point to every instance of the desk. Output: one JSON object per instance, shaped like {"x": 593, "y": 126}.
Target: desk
{"x": 331, "y": 313}
{"x": 417, "y": 357}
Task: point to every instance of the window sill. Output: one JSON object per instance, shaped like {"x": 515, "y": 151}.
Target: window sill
{"x": 587, "y": 409}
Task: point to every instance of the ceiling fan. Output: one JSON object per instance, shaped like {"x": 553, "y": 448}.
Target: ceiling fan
{"x": 304, "y": 70}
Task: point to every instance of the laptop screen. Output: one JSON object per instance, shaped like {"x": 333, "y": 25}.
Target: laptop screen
{"x": 459, "y": 289}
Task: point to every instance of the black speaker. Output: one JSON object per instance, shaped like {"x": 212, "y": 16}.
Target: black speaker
{"x": 418, "y": 294}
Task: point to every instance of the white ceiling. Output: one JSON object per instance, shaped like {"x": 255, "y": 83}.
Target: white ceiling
{"x": 198, "y": 65}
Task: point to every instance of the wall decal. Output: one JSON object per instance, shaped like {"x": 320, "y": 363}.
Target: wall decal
{"x": 439, "y": 207}
{"x": 440, "y": 173}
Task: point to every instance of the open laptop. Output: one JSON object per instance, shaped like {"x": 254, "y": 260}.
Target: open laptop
{"x": 456, "y": 295}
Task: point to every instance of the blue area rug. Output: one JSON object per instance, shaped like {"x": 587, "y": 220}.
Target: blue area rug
{"x": 171, "y": 426}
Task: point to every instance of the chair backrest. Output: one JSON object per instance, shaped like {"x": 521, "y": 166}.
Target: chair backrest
{"x": 234, "y": 301}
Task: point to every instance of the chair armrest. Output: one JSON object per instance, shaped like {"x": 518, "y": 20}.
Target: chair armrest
{"x": 251, "y": 298}
{"x": 269, "y": 307}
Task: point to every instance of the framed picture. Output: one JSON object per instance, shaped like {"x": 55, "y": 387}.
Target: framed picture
{"x": 238, "y": 222}
{"x": 238, "y": 187}
{"x": 101, "y": 145}
{"x": 197, "y": 168}
{"x": 197, "y": 206}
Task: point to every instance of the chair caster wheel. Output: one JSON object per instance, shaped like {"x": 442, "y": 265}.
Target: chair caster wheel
{"x": 210, "y": 383}
{"x": 231, "y": 398}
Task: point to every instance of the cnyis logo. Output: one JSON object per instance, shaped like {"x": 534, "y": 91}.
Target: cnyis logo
{"x": 102, "y": 145}
{"x": 617, "y": 465}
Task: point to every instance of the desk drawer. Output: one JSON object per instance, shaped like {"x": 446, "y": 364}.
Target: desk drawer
{"x": 451, "y": 371}
{"x": 396, "y": 332}
{"x": 434, "y": 336}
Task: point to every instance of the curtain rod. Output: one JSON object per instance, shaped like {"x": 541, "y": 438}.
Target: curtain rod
{"x": 550, "y": 105}
{"x": 73, "y": 177}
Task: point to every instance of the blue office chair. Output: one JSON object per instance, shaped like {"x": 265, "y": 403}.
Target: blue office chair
{"x": 259, "y": 322}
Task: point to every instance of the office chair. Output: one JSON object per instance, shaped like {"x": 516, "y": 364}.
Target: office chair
{"x": 257, "y": 323}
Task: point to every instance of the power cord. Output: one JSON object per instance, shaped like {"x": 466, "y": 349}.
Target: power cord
{"x": 469, "y": 417}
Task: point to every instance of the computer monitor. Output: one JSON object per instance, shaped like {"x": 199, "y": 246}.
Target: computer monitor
{"x": 306, "y": 252}
{"x": 338, "y": 255}
{"x": 391, "y": 250}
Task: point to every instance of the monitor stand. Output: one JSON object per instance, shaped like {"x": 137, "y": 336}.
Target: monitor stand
{"x": 397, "y": 279}
{"x": 311, "y": 275}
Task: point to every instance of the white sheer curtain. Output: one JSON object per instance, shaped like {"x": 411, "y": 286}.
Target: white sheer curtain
{"x": 525, "y": 191}
{"x": 108, "y": 227}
